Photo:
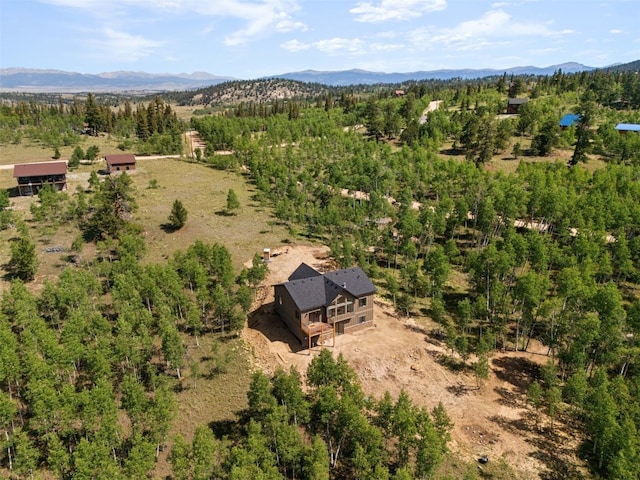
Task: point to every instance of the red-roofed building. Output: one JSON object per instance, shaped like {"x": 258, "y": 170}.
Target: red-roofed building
{"x": 33, "y": 176}
{"x": 120, "y": 162}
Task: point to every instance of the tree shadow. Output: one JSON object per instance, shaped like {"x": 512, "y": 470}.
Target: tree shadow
{"x": 452, "y": 151}
{"x": 460, "y": 389}
{"x": 225, "y": 213}
{"x": 451, "y": 363}
{"x": 551, "y": 447}
{"x": 267, "y": 321}
{"x": 555, "y": 454}
{"x": 230, "y": 429}
{"x": 169, "y": 228}
{"x": 517, "y": 371}
{"x": 508, "y": 398}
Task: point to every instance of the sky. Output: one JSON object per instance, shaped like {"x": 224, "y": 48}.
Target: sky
{"x": 247, "y": 39}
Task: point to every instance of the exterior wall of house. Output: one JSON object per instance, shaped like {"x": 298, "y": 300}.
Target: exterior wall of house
{"x": 121, "y": 167}
{"x": 286, "y": 308}
{"x": 32, "y": 185}
{"x": 349, "y": 313}
{"x": 346, "y": 313}
{"x": 362, "y": 316}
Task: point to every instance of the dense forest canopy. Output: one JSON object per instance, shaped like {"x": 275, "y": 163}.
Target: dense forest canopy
{"x": 550, "y": 252}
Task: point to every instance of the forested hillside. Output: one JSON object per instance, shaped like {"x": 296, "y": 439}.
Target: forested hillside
{"x": 502, "y": 229}
{"x": 55, "y": 122}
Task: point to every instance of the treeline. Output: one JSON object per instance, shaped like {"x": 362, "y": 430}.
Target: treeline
{"x": 328, "y": 430}
{"x": 548, "y": 253}
{"x": 151, "y": 128}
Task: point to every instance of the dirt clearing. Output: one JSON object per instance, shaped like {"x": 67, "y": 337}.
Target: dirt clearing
{"x": 401, "y": 353}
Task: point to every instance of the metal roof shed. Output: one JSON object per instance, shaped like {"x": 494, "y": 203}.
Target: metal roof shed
{"x": 628, "y": 127}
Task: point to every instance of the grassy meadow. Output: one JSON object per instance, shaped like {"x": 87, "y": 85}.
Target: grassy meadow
{"x": 217, "y": 370}
{"x": 203, "y": 191}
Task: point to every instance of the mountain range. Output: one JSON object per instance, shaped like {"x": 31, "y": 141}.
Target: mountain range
{"x": 35, "y": 80}
{"x": 355, "y": 77}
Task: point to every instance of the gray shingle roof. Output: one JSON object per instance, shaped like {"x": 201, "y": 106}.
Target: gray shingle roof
{"x": 353, "y": 280}
{"x": 304, "y": 271}
{"x": 317, "y": 290}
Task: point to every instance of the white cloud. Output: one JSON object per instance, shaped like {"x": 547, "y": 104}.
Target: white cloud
{"x": 124, "y": 46}
{"x": 260, "y": 17}
{"x": 495, "y": 27}
{"x": 343, "y": 46}
{"x": 385, "y": 10}
{"x": 387, "y": 34}
{"x": 385, "y": 47}
{"x": 337, "y": 46}
{"x": 286, "y": 24}
{"x": 543, "y": 51}
{"x": 615, "y": 31}
{"x": 295, "y": 46}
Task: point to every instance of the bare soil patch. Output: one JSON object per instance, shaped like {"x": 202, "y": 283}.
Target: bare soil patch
{"x": 400, "y": 353}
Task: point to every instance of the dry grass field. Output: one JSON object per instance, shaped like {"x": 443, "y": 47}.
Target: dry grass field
{"x": 201, "y": 189}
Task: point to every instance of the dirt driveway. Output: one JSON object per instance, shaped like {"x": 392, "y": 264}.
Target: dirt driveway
{"x": 398, "y": 353}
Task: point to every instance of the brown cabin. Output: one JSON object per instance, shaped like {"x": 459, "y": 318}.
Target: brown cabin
{"x": 315, "y": 305}
{"x": 120, "y": 162}
{"x": 33, "y": 176}
{"x": 514, "y": 104}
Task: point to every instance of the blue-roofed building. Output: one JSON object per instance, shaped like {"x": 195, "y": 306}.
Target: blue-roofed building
{"x": 316, "y": 306}
{"x": 628, "y": 127}
{"x": 569, "y": 120}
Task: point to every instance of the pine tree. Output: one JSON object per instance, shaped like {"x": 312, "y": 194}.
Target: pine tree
{"x": 24, "y": 261}
{"x": 78, "y": 154}
{"x": 232, "y": 201}
{"x": 178, "y": 215}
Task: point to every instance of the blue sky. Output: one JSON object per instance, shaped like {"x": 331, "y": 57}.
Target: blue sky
{"x": 252, "y": 38}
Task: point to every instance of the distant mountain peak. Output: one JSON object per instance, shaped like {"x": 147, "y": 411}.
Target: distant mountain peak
{"x": 38, "y": 80}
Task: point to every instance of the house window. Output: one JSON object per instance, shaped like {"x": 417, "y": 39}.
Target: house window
{"x": 341, "y": 310}
{"x": 350, "y": 307}
{"x": 362, "y": 319}
{"x": 332, "y": 312}
{"x": 362, "y": 302}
